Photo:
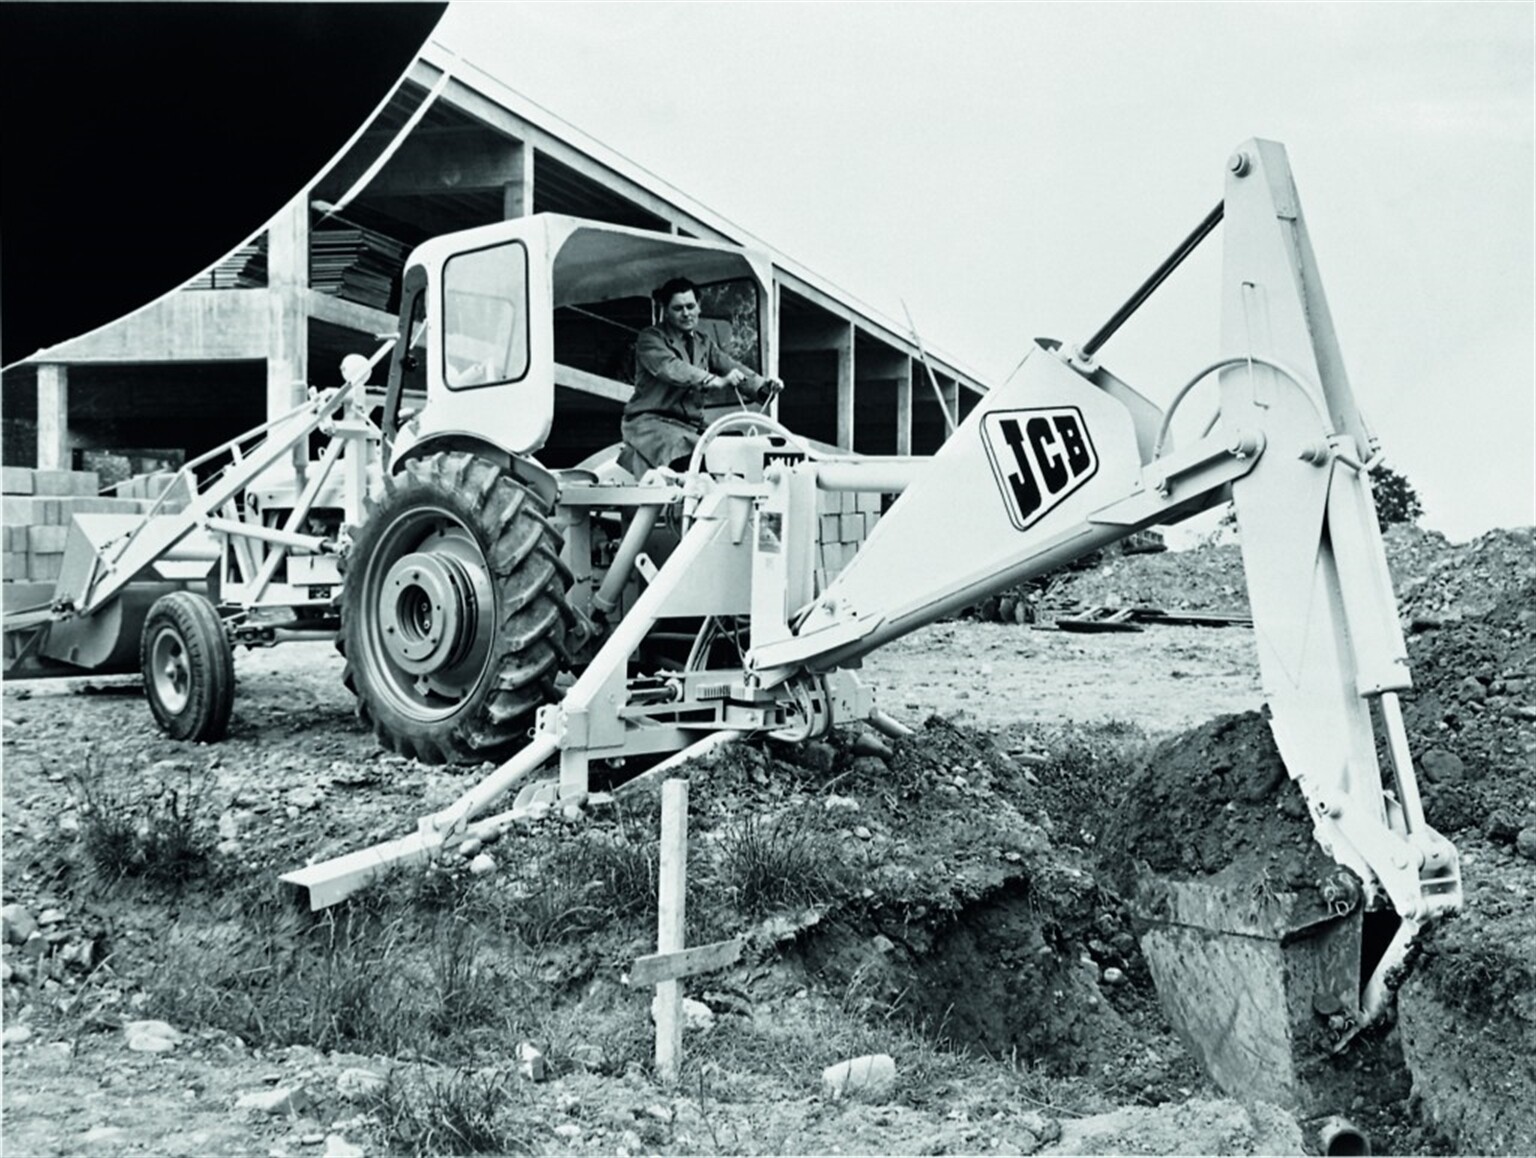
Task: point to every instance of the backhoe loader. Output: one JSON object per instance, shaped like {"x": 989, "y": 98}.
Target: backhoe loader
{"x": 488, "y": 607}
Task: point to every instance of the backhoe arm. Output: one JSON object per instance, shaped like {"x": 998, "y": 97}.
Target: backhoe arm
{"x": 1067, "y": 458}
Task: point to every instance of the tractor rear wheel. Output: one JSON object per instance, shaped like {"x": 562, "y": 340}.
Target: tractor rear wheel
{"x": 188, "y": 666}
{"x": 453, "y": 610}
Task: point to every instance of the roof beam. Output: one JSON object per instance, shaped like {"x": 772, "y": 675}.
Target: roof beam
{"x": 503, "y": 120}
{"x": 430, "y": 161}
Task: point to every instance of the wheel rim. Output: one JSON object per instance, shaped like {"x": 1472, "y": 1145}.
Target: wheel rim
{"x": 429, "y": 609}
{"x": 170, "y": 671}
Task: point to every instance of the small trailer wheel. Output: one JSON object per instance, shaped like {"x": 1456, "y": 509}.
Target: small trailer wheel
{"x": 188, "y": 666}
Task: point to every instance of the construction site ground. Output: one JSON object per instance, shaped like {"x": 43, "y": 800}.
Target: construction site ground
{"x": 954, "y": 902}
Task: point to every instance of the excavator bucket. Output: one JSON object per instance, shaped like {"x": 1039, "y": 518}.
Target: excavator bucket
{"x": 1256, "y": 986}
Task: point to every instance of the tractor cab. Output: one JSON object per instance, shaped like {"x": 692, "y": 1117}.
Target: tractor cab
{"x": 497, "y": 323}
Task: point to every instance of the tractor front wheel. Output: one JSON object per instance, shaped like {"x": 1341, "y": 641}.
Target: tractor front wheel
{"x": 188, "y": 666}
{"x": 453, "y": 610}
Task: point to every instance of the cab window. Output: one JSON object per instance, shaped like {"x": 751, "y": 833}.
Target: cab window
{"x": 485, "y": 316}
{"x": 728, "y": 310}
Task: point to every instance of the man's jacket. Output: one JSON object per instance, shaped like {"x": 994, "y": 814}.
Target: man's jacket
{"x": 670, "y": 372}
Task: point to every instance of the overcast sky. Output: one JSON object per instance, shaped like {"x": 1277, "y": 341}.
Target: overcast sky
{"x": 1014, "y": 170}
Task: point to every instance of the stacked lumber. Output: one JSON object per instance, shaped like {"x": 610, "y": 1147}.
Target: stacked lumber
{"x": 244, "y": 268}
{"x": 357, "y": 264}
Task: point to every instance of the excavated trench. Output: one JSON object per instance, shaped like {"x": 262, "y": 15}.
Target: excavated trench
{"x": 1041, "y": 964}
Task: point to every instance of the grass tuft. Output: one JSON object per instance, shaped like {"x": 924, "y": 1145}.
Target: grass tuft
{"x": 462, "y": 1112}
{"x": 777, "y": 862}
{"x": 159, "y": 832}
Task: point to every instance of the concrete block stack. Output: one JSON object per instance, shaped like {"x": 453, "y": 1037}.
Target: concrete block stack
{"x": 846, "y": 518}
{"x": 39, "y": 505}
{"x": 151, "y": 487}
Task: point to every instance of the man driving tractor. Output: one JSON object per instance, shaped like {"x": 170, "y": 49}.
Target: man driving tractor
{"x": 678, "y": 371}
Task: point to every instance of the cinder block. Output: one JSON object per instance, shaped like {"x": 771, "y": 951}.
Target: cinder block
{"x": 157, "y": 483}
{"x": 869, "y": 502}
{"x": 828, "y": 503}
{"x": 44, "y": 568}
{"x": 16, "y": 566}
{"x": 831, "y": 528}
{"x": 64, "y": 482}
{"x": 50, "y": 482}
{"x": 17, "y": 480}
{"x": 106, "y": 505}
{"x": 25, "y": 510}
{"x": 46, "y": 540}
{"x": 851, "y": 528}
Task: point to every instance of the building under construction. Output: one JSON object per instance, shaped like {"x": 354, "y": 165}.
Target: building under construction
{"x": 452, "y": 148}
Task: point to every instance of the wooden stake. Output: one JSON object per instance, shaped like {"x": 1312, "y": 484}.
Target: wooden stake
{"x": 670, "y": 917}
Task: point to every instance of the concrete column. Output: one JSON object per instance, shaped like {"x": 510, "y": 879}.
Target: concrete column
{"x": 844, "y": 349}
{"x": 517, "y": 194}
{"x": 904, "y": 408}
{"x": 951, "y": 389}
{"x": 53, "y": 417}
{"x": 287, "y": 310}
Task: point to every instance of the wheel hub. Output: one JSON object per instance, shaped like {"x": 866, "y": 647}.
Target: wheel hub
{"x": 429, "y": 611}
{"x": 169, "y": 669}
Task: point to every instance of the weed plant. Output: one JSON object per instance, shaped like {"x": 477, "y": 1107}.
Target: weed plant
{"x": 584, "y": 882}
{"x": 462, "y": 1112}
{"x": 776, "y": 862}
{"x": 160, "y": 832}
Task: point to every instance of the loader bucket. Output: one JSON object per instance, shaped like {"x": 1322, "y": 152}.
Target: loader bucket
{"x": 1250, "y": 980}
{"x": 103, "y": 640}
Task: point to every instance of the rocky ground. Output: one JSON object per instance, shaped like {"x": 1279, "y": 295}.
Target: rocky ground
{"x": 954, "y": 901}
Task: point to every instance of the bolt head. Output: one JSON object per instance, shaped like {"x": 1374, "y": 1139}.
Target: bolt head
{"x": 1238, "y": 164}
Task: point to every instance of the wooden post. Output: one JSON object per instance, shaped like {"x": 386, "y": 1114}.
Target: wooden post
{"x": 670, "y": 917}
{"x": 666, "y": 968}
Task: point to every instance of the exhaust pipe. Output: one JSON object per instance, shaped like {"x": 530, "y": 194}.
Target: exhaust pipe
{"x": 1341, "y": 1136}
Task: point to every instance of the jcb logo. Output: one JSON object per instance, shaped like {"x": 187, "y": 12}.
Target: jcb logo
{"x": 1039, "y": 457}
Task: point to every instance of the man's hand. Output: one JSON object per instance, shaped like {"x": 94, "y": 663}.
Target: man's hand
{"x": 733, "y": 378}
{"x": 769, "y": 390}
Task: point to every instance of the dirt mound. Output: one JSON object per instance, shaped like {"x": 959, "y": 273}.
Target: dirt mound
{"x": 955, "y": 909}
{"x": 1471, "y": 719}
{"x": 1436, "y": 581}
{"x": 1471, "y": 715}
{"x": 1475, "y": 982}
{"x": 1217, "y": 802}
{"x": 1208, "y": 577}
{"x": 1432, "y": 577}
